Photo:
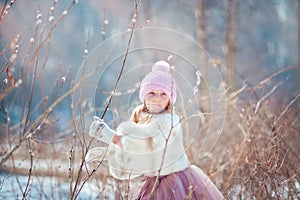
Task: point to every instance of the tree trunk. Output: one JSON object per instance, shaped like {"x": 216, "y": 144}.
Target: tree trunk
{"x": 231, "y": 40}
{"x": 298, "y": 69}
{"x": 204, "y": 101}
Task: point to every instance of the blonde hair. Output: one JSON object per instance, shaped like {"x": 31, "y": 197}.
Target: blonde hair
{"x": 137, "y": 117}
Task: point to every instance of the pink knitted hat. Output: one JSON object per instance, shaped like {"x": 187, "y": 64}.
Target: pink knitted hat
{"x": 160, "y": 78}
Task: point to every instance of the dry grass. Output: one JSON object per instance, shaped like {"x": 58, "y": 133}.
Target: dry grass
{"x": 256, "y": 157}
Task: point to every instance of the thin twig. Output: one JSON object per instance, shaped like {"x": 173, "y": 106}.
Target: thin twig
{"x": 25, "y": 193}
{"x": 73, "y": 195}
{"x": 31, "y": 89}
{"x": 124, "y": 60}
{"x": 38, "y": 122}
{"x": 166, "y": 142}
{"x": 91, "y": 174}
{"x": 266, "y": 80}
{"x": 287, "y": 108}
{"x": 264, "y": 98}
{"x": 39, "y": 47}
{"x": 6, "y": 8}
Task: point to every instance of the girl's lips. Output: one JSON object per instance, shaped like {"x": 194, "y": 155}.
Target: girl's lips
{"x": 155, "y": 105}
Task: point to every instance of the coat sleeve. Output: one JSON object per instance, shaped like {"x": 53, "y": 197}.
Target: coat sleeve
{"x": 108, "y": 134}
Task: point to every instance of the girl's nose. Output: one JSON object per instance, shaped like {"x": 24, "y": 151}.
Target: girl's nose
{"x": 156, "y": 98}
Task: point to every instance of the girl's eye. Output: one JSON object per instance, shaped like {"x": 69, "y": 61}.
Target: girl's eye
{"x": 151, "y": 93}
{"x": 163, "y": 94}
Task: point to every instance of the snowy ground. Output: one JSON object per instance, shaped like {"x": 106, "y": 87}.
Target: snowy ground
{"x": 54, "y": 183}
{"x": 12, "y": 187}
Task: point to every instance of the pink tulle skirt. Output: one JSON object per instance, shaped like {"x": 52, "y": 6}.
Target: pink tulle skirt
{"x": 191, "y": 183}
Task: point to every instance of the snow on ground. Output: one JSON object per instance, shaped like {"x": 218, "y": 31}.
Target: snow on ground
{"x": 13, "y": 186}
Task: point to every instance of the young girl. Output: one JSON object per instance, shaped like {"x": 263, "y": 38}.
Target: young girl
{"x": 151, "y": 144}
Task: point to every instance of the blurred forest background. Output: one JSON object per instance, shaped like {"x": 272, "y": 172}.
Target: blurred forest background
{"x": 253, "y": 44}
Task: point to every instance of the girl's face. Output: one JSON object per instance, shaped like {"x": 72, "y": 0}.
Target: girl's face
{"x": 157, "y": 101}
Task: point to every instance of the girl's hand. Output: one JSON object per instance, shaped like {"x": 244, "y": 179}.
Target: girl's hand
{"x": 96, "y": 128}
{"x": 101, "y": 131}
{"x": 117, "y": 140}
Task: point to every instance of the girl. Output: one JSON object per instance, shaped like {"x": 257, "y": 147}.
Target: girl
{"x": 151, "y": 144}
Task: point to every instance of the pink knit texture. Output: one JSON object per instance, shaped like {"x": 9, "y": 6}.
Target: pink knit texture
{"x": 160, "y": 78}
